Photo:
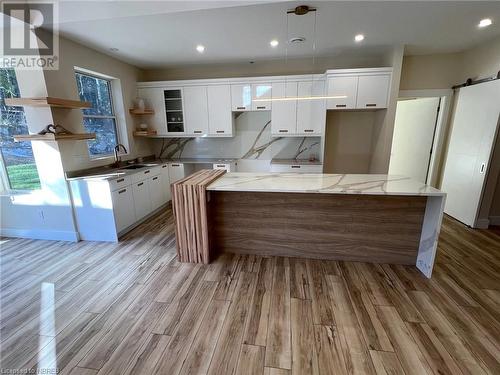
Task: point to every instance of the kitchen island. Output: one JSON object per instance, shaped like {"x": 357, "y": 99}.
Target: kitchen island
{"x": 368, "y": 218}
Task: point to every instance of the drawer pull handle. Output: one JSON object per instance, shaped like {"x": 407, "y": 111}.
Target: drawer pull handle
{"x": 221, "y": 165}
{"x": 164, "y": 166}
{"x": 155, "y": 178}
{"x": 341, "y": 105}
{"x": 176, "y": 165}
{"x": 371, "y": 105}
{"x": 220, "y": 131}
{"x": 146, "y": 172}
{"x": 261, "y": 107}
{"x": 308, "y": 130}
{"x": 197, "y": 132}
{"x": 241, "y": 107}
{"x": 140, "y": 184}
{"x": 283, "y": 131}
{"x": 295, "y": 166}
{"x": 122, "y": 191}
{"x": 120, "y": 180}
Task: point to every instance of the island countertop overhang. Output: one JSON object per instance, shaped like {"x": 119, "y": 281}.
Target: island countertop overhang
{"x": 358, "y": 184}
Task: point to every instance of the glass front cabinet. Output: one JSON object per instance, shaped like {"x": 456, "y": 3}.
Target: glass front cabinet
{"x": 174, "y": 110}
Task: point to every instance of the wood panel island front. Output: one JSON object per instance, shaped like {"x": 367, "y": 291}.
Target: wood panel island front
{"x": 351, "y": 217}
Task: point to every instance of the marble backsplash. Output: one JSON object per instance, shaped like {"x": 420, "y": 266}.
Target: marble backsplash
{"x": 252, "y": 141}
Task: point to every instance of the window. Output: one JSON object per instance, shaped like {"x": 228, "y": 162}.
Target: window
{"x": 99, "y": 119}
{"x": 18, "y": 163}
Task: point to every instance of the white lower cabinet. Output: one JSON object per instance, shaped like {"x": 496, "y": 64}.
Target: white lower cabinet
{"x": 165, "y": 181}
{"x": 123, "y": 210}
{"x": 297, "y": 168}
{"x": 156, "y": 191}
{"x": 176, "y": 171}
{"x": 142, "y": 200}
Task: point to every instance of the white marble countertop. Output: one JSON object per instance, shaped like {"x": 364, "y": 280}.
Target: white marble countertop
{"x": 366, "y": 184}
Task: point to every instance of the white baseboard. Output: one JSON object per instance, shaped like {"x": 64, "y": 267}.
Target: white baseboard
{"x": 494, "y": 220}
{"x": 56, "y": 235}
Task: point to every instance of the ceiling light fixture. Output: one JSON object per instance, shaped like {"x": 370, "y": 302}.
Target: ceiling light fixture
{"x": 274, "y": 43}
{"x": 200, "y": 48}
{"x": 485, "y": 22}
{"x": 359, "y": 38}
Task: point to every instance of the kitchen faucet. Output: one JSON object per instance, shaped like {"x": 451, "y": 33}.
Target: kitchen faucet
{"x": 116, "y": 150}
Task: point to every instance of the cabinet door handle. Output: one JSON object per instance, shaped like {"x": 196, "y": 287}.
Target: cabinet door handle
{"x": 164, "y": 166}
{"x": 197, "y": 132}
{"x": 371, "y": 105}
{"x": 295, "y": 166}
{"x": 219, "y": 131}
{"x": 308, "y": 130}
{"x": 155, "y": 178}
{"x": 120, "y": 180}
{"x": 261, "y": 107}
{"x": 341, "y": 105}
{"x": 221, "y": 165}
{"x": 283, "y": 131}
{"x": 483, "y": 167}
{"x": 176, "y": 165}
{"x": 241, "y": 107}
{"x": 146, "y": 172}
{"x": 140, "y": 184}
{"x": 122, "y": 191}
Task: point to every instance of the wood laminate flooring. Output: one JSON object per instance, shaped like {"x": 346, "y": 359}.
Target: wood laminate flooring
{"x": 130, "y": 308}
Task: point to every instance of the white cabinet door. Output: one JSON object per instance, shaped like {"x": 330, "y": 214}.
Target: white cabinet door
{"x": 284, "y": 113}
{"x": 261, "y": 91}
{"x": 373, "y": 91}
{"x": 220, "y": 117}
{"x": 123, "y": 208}
{"x": 156, "y": 191}
{"x": 311, "y": 114}
{"x": 175, "y": 171}
{"x": 345, "y": 89}
{"x": 228, "y": 167}
{"x": 196, "y": 110}
{"x": 165, "y": 180}
{"x": 142, "y": 199}
{"x": 154, "y": 99}
{"x": 241, "y": 97}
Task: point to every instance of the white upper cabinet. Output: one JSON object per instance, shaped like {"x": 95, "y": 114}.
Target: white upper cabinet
{"x": 373, "y": 91}
{"x": 154, "y": 100}
{"x": 241, "y": 97}
{"x": 261, "y": 92}
{"x": 345, "y": 88}
{"x": 220, "y": 117}
{"x": 284, "y": 113}
{"x": 196, "y": 110}
{"x": 361, "y": 88}
{"x": 311, "y": 114}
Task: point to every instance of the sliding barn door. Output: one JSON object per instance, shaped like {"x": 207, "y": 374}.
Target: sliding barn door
{"x": 472, "y": 139}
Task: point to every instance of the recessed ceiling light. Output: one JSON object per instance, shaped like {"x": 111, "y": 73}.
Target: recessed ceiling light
{"x": 359, "y": 38}
{"x": 274, "y": 43}
{"x": 113, "y": 49}
{"x": 200, "y": 48}
{"x": 485, "y": 22}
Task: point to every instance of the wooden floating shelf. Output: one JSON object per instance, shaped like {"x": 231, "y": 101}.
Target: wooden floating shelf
{"x": 140, "y": 112}
{"x": 144, "y": 133}
{"x": 47, "y": 102}
{"x": 54, "y": 137}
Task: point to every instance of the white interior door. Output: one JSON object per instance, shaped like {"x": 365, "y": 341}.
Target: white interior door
{"x": 473, "y": 134}
{"x": 413, "y": 137}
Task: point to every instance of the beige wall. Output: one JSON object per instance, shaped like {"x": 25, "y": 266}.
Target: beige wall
{"x": 348, "y": 142}
{"x": 61, "y": 83}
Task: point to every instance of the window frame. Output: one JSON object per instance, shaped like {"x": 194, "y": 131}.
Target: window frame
{"x": 5, "y": 182}
{"x": 109, "y": 81}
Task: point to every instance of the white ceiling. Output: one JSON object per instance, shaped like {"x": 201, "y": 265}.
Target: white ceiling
{"x": 165, "y": 33}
